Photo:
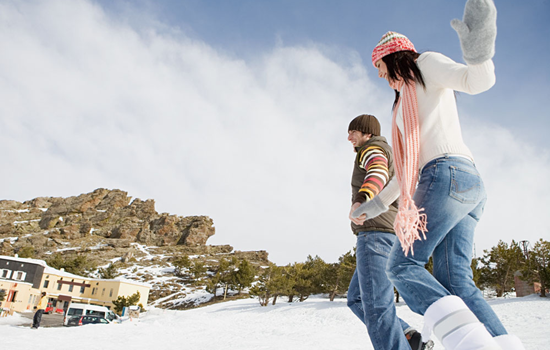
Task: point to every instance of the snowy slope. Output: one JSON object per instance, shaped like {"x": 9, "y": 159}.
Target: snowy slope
{"x": 315, "y": 324}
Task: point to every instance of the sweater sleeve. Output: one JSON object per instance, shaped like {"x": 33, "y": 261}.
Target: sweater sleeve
{"x": 443, "y": 72}
{"x": 390, "y": 193}
{"x": 373, "y": 159}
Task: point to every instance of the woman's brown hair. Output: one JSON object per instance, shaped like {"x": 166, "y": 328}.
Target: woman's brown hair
{"x": 402, "y": 65}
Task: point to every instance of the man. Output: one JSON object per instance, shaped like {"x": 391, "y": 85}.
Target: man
{"x": 40, "y": 310}
{"x": 370, "y": 294}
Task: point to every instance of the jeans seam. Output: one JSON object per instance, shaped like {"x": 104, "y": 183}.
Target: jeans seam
{"x": 434, "y": 177}
{"x": 370, "y": 303}
{"x": 448, "y": 269}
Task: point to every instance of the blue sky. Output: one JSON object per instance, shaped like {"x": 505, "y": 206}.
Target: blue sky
{"x": 246, "y": 29}
{"x": 239, "y": 110}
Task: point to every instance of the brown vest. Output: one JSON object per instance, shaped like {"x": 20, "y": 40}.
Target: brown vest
{"x": 383, "y": 222}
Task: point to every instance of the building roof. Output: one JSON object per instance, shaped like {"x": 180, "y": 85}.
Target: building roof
{"x": 62, "y": 273}
{"x": 25, "y": 260}
{"x": 15, "y": 282}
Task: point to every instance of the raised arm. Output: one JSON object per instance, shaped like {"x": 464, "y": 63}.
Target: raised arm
{"x": 477, "y": 31}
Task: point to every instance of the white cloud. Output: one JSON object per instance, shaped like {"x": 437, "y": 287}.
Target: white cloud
{"x": 516, "y": 178}
{"x": 259, "y": 145}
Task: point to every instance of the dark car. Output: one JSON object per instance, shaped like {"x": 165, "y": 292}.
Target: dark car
{"x": 88, "y": 319}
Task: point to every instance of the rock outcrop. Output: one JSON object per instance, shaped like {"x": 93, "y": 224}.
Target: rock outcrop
{"x": 110, "y": 214}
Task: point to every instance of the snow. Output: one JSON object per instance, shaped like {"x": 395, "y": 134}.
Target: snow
{"x": 315, "y": 324}
{"x": 143, "y": 248}
{"x": 16, "y": 210}
{"x": 10, "y": 239}
{"x": 25, "y": 221}
{"x": 68, "y": 249}
{"x": 15, "y": 239}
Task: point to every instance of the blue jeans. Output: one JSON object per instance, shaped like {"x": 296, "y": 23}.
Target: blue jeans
{"x": 453, "y": 196}
{"x": 370, "y": 293}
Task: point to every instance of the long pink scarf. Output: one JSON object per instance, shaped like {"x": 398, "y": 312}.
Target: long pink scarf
{"x": 410, "y": 221}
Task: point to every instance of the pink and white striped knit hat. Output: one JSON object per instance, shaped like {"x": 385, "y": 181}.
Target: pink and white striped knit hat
{"x": 391, "y": 42}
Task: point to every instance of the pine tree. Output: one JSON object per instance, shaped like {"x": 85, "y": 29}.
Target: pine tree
{"x": 243, "y": 276}
{"x": 274, "y": 281}
{"x": 79, "y": 265}
{"x": 337, "y": 276}
{"x": 430, "y": 265}
{"x": 280, "y": 283}
{"x": 292, "y": 273}
{"x": 198, "y": 270}
{"x": 500, "y": 265}
{"x": 316, "y": 271}
{"x": 108, "y": 273}
{"x": 303, "y": 281}
{"x": 123, "y": 301}
{"x": 26, "y": 252}
{"x": 227, "y": 274}
{"x": 223, "y": 277}
{"x": 181, "y": 264}
{"x": 537, "y": 267}
{"x": 56, "y": 261}
{"x": 261, "y": 288}
{"x": 476, "y": 271}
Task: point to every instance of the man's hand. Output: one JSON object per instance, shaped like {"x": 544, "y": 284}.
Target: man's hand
{"x": 361, "y": 219}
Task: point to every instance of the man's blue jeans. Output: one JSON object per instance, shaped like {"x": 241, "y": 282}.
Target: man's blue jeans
{"x": 370, "y": 293}
{"x": 453, "y": 196}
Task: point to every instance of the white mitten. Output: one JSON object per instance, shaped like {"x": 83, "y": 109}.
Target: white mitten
{"x": 477, "y": 31}
{"x": 372, "y": 208}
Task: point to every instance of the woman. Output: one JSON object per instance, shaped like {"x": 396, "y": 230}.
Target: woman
{"x": 439, "y": 210}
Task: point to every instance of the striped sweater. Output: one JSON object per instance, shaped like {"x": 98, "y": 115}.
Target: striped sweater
{"x": 373, "y": 159}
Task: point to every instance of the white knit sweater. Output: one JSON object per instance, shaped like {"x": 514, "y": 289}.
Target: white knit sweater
{"x": 440, "y": 132}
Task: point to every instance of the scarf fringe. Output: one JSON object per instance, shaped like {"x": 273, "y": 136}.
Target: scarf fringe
{"x": 409, "y": 223}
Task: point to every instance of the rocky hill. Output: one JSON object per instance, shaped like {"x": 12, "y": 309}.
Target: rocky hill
{"x": 107, "y": 226}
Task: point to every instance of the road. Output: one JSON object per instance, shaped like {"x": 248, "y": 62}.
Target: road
{"x": 53, "y": 320}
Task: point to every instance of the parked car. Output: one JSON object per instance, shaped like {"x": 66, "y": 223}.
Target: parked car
{"x": 78, "y": 309}
{"x": 83, "y": 320}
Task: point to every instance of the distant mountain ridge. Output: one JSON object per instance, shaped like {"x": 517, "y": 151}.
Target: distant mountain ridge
{"x": 105, "y": 213}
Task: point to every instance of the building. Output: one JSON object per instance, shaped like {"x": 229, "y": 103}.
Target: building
{"x": 23, "y": 280}
{"x": 524, "y": 288}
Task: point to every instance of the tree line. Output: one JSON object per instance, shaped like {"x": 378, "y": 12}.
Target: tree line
{"x": 295, "y": 281}
{"x": 496, "y": 269}
{"x": 493, "y": 271}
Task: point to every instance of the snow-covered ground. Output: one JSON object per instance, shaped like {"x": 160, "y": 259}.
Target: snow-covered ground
{"x": 315, "y": 324}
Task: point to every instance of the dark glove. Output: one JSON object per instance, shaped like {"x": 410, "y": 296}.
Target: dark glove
{"x": 477, "y": 31}
{"x": 372, "y": 208}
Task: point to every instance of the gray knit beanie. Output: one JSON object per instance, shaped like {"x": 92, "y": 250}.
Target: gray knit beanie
{"x": 366, "y": 123}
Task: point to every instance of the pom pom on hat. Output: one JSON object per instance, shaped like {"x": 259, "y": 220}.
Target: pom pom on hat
{"x": 391, "y": 42}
